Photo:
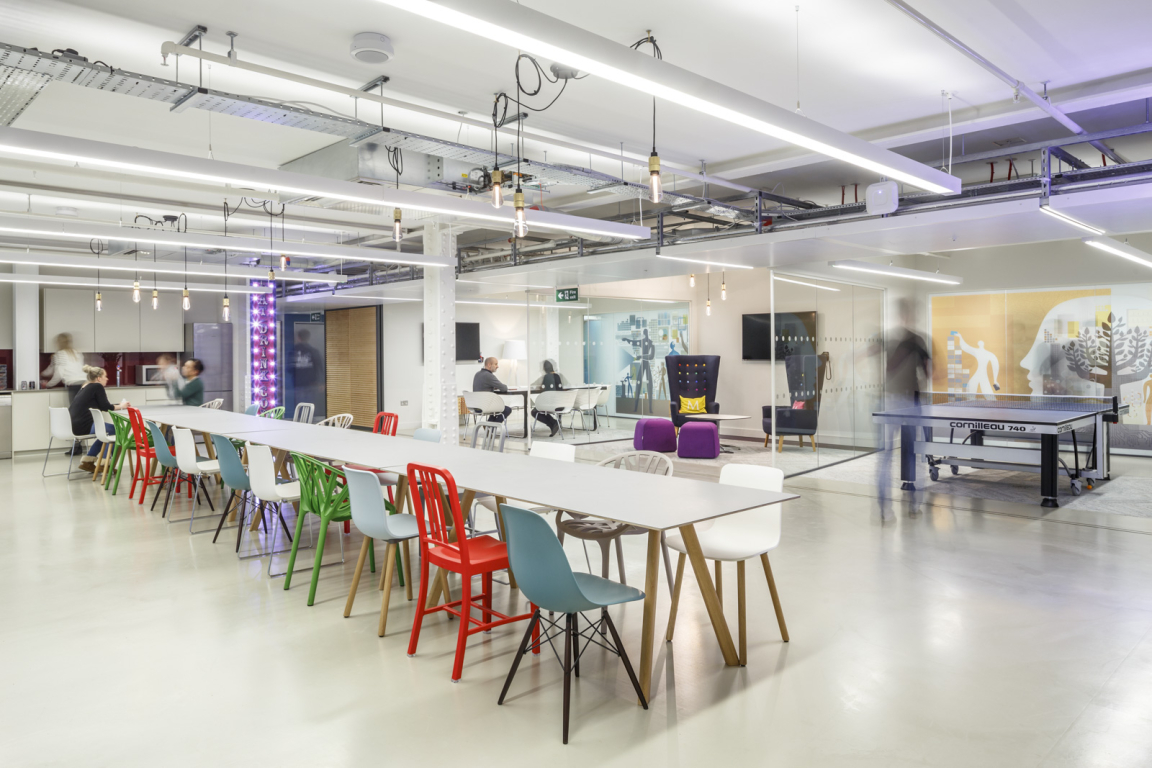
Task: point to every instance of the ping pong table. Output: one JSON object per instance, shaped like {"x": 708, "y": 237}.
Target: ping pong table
{"x": 1018, "y": 420}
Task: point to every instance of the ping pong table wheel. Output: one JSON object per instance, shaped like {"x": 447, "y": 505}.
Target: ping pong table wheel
{"x": 1077, "y": 487}
{"x": 955, "y": 469}
{"x": 1089, "y": 485}
{"x": 934, "y": 473}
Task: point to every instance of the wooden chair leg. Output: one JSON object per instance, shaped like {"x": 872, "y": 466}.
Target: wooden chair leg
{"x": 675, "y": 597}
{"x": 719, "y": 583}
{"x": 775, "y": 596}
{"x": 743, "y": 620}
{"x": 364, "y": 549}
{"x": 780, "y": 443}
{"x": 620, "y": 560}
{"x": 766, "y": 439}
{"x": 407, "y": 570}
{"x": 389, "y": 567}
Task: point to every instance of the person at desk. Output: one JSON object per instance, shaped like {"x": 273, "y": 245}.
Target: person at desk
{"x": 485, "y": 381}
{"x": 550, "y": 380}
{"x": 190, "y": 390}
{"x": 91, "y": 395}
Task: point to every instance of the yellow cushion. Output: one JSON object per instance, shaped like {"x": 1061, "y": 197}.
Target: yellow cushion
{"x": 692, "y": 405}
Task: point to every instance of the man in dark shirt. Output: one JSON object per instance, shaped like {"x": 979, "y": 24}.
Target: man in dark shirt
{"x": 485, "y": 381}
{"x": 908, "y": 370}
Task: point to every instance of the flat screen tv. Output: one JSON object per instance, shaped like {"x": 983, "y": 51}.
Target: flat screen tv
{"x": 795, "y": 334}
{"x": 468, "y": 341}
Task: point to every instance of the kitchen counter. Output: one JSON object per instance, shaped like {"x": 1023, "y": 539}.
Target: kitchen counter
{"x": 30, "y": 412}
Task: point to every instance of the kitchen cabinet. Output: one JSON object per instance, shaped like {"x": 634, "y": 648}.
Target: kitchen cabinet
{"x": 118, "y": 323}
{"x": 161, "y": 329}
{"x": 121, "y": 326}
{"x": 69, "y": 310}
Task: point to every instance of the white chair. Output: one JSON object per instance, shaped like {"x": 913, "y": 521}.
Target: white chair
{"x": 193, "y": 467}
{"x": 213, "y": 404}
{"x": 491, "y": 433}
{"x": 303, "y": 413}
{"x": 340, "y": 421}
{"x": 60, "y": 428}
{"x": 269, "y": 492}
{"x": 486, "y": 404}
{"x": 738, "y": 538}
{"x": 585, "y": 402}
{"x": 555, "y": 403}
{"x": 602, "y": 402}
{"x": 107, "y": 439}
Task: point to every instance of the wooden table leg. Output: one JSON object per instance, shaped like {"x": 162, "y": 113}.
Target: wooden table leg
{"x": 715, "y": 609}
{"x": 208, "y": 446}
{"x": 651, "y": 575}
{"x": 500, "y": 524}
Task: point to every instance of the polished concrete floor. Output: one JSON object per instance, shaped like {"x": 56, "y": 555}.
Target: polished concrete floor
{"x": 948, "y": 638}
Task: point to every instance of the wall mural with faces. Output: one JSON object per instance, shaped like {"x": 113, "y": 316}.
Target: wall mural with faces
{"x": 1090, "y": 341}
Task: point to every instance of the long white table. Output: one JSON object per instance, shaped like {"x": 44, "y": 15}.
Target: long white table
{"x": 653, "y": 503}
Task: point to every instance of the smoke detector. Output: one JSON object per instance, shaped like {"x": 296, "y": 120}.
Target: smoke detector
{"x": 372, "y": 48}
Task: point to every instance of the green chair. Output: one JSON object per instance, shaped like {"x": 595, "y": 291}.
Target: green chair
{"x": 124, "y": 442}
{"x": 548, "y": 581}
{"x": 324, "y": 493}
{"x": 273, "y": 413}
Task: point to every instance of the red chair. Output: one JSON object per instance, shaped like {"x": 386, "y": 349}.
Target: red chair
{"x": 145, "y": 456}
{"x": 386, "y": 424}
{"x": 476, "y": 556}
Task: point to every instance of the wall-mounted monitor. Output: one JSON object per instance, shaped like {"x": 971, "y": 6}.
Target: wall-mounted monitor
{"x": 467, "y": 342}
{"x": 795, "y": 334}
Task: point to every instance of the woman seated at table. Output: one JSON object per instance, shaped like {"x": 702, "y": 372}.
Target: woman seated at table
{"x": 189, "y": 389}
{"x": 549, "y": 381}
{"x": 92, "y": 395}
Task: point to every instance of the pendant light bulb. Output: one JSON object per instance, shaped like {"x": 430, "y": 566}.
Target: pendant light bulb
{"x": 723, "y": 289}
{"x": 708, "y": 308}
{"x": 187, "y": 302}
{"x": 136, "y": 291}
{"x": 227, "y": 310}
{"x": 691, "y": 281}
{"x": 271, "y": 274}
{"x": 520, "y": 226}
{"x": 397, "y": 232}
{"x": 497, "y": 188}
{"x": 155, "y": 299}
{"x": 655, "y": 188}
{"x": 99, "y": 302}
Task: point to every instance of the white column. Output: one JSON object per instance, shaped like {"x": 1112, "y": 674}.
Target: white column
{"x": 25, "y": 328}
{"x": 438, "y": 406}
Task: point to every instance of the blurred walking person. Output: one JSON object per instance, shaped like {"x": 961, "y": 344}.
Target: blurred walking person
{"x": 67, "y": 366}
{"x": 908, "y": 370}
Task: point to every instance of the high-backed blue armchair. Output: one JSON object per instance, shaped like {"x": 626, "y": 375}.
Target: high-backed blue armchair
{"x": 692, "y": 376}
{"x": 806, "y": 375}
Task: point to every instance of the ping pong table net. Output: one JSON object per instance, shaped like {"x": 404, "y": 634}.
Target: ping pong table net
{"x": 1077, "y": 403}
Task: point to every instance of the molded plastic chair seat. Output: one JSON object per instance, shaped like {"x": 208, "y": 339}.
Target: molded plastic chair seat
{"x": 601, "y": 592}
{"x": 731, "y": 541}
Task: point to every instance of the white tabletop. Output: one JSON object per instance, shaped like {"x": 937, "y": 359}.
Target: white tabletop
{"x": 714, "y": 416}
{"x": 643, "y": 500}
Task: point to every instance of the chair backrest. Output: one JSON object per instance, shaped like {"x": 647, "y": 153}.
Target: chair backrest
{"x": 323, "y": 488}
{"x": 437, "y": 513}
{"x": 60, "y": 423}
{"x": 649, "y": 462}
{"x": 101, "y": 431}
{"x": 386, "y": 424}
{"x": 692, "y": 376}
{"x": 273, "y": 413}
{"x": 538, "y": 560}
{"x": 427, "y": 434}
{"x": 557, "y": 402}
{"x": 369, "y": 509}
{"x": 303, "y": 413}
{"x": 766, "y": 518}
{"x": 602, "y": 397}
{"x": 163, "y": 452}
{"x": 232, "y": 470}
{"x": 261, "y": 472}
{"x": 483, "y": 402}
{"x": 214, "y": 404}
{"x": 586, "y": 400}
{"x": 340, "y": 421}
{"x": 123, "y": 429}
{"x": 490, "y": 435}
{"x": 185, "y": 445}
{"x": 139, "y": 431}
{"x": 251, "y": 410}
{"x": 542, "y": 449}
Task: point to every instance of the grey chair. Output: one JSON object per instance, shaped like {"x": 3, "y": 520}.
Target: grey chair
{"x": 555, "y": 403}
{"x": 303, "y": 413}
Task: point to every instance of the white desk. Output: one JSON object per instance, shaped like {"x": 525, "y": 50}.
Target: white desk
{"x": 645, "y": 501}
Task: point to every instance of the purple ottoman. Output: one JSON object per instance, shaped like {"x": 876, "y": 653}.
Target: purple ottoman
{"x": 699, "y": 440}
{"x": 654, "y": 435}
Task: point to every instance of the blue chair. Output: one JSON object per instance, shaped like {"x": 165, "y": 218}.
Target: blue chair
{"x": 427, "y": 435}
{"x": 548, "y": 581}
{"x": 235, "y": 476}
{"x": 251, "y": 410}
{"x": 167, "y": 460}
{"x": 370, "y": 513}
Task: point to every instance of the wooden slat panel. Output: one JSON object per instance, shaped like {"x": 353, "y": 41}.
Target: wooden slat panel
{"x": 350, "y": 344}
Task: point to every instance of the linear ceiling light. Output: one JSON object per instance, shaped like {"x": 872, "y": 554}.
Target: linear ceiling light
{"x": 702, "y": 261}
{"x": 520, "y": 27}
{"x": 492, "y": 302}
{"x": 1123, "y": 250}
{"x": 71, "y": 261}
{"x": 148, "y": 162}
{"x": 94, "y": 231}
{"x": 889, "y": 271}
{"x": 1069, "y": 220}
{"x": 798, "y": 282}
{"x": 91, "y": 282}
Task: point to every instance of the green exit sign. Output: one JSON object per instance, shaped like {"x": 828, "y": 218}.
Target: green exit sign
{"x": 567, "y": 294}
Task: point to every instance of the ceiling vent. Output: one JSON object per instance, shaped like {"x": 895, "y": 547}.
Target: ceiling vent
{"x": 372, "y": 48}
